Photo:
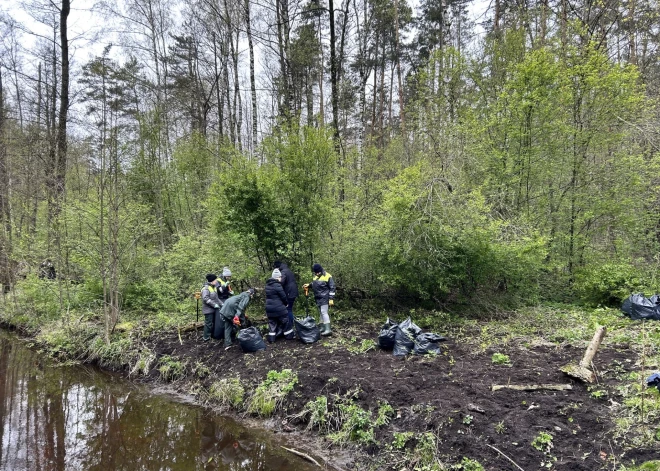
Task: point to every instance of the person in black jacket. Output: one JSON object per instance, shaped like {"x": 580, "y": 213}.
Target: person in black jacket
{"x": 289, "y": 284}
{"x": 276, "y": 309}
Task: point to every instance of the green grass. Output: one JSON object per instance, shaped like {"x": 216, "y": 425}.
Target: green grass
{"x": 270, "y": 394}
{"x": 227, "y": 392}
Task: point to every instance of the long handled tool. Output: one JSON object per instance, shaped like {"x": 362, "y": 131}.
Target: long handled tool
{"x": 198, "y": 295}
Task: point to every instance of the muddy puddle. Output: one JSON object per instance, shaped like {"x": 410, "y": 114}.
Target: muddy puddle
{"x": 79, "y": 418}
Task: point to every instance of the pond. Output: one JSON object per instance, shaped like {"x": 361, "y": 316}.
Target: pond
{"x": 56, "y": 418}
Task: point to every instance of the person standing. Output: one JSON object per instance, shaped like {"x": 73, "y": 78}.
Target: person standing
{"x": 290, "y": 286}
{"x": 276, "y": 308}
{"x": 232, "y": 311}
{"x": 210, "y": 304}
{"x": 323, "y": 286}
{"x": 224, "y": 286}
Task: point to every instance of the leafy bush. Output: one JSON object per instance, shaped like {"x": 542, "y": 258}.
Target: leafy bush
{"x": 611, "y": 283}
{"x": 500, "y": 359}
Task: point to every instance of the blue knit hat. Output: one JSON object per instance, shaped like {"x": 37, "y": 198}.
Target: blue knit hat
{"x": 317, "y": 268}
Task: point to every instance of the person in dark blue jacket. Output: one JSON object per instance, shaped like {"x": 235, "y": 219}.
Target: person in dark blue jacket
{"x": 276, "y": 308}
{"x": 289, "y": 284}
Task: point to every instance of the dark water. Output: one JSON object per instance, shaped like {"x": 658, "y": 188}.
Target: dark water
{"x": 77, "y": 418}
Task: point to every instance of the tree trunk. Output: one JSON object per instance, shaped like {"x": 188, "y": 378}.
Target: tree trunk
{"x": 333, "y": 74}
{"x": 5, "y": 215}
{"x": 398, "y": 66}
{"x": 253, "y": 86}
{"x": 60, "y": 170}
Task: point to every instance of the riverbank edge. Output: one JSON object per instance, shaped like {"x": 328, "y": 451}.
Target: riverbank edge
{"x": 398, "y": 443}
{"x": 309, "y": 446}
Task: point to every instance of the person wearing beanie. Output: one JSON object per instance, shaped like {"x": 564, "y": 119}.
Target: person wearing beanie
{"x": 276, "y": 309}
{"x": 323, "y": 286}
{"x": 224, "y": 285}
{"x": 232, "y": 313}
{"x": 290, "y": 286}
{"x": 210, "y": 304}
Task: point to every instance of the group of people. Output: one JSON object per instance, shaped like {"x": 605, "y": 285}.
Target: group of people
{"x": 220, "y": 305}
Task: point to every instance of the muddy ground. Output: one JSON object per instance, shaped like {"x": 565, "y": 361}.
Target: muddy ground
{"x": 448, "y": 394}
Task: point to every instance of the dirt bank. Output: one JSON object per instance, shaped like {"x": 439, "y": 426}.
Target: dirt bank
{"x": 448, "y": 395}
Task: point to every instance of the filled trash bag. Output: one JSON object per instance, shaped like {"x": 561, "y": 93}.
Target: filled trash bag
{"x": 427, "y": 343}
{"x": 250, "y": 340}
{"x": 307, "y": 330}
{"x": 387, "y": 335}
{"x": 654, "y": 380}
{"x": 638, "y": 307}
{"x": 404, "y": 340}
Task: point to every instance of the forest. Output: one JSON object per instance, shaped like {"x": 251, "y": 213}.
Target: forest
{"x": 443, "y": 153}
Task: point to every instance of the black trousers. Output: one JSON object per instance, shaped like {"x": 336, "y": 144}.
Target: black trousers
{"x": 280, "y": 326}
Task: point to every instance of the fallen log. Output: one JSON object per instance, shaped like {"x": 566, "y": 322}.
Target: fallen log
{"x": 191, "y": 326}
{"x": 533, "y": 387}
{"x": 583, "y": 371}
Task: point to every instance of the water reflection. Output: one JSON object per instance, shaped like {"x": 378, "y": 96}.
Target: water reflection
{"x": 76, "y": 418}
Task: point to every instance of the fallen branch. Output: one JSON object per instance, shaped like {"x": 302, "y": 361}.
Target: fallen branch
{"x": 191, "y": 326}
{"x": 533, "y": 387}
{"x": 512, "y": 462}
{"x": 302, "y": 455}
{"x": 582, "y": 371}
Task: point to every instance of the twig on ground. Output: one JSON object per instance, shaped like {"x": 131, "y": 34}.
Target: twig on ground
{"x": 532, "y": 387}
{"x": 512, "y": 462}
{"x": 302, "y": 455}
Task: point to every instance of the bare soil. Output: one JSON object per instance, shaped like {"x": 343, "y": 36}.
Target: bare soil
{"x": 444, "y": 394}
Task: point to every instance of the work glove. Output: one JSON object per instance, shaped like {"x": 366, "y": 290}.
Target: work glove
{"x": 306, "y": 286}
{"x": 331, "y": 302}
{"x": 216, "y": 306}
{"x": 237, "y": 321}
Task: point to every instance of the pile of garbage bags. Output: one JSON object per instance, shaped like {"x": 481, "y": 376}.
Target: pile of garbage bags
{"x": 638, "y": 307}
{"x": 407, "y": 337}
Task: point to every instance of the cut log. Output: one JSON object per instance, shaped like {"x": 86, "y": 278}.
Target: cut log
{"x": 583, "y": 371}
{"x": 533, "y": 387}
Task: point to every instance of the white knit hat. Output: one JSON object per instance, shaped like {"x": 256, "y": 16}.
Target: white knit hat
{"x": 276, "y": 273}
{"x": 226, "y": 272}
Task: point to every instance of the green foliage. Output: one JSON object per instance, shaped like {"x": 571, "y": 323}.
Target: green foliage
{"x": 500, "y": 359}
{"x": 468, "y": 464}
{"x": 270, "y": 394}
{"x": 143, "y": 362}
{"x": 228, "y": 392}
{"x": 543, "y": 442}
{"x": 317, "y": 410}
{"x": 280, "y": 208}
{"x": 445, "y": 241}
{"x": 611, "y": 283}
{"x": 401, "y": 439}
{"x": 170, "y": 368}
{"x": 363, "y": 347}
{"x": 114, "y": 354}
{"x": 356, "y": 424}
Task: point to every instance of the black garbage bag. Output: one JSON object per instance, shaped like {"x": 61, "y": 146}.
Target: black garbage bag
{"x": 250, "y": 340}
{"x": 427, "y": 343}
{"x": 387, "y": 335}
{"x": 638, "y": 307}
{"x": 307, "y": 330}
{"x": 654, "y": 380}
{"x": 404, "y": 340}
